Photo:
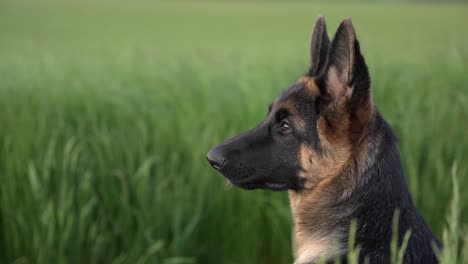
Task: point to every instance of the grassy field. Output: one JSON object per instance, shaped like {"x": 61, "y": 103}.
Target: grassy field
{"x": 107, "y": 111}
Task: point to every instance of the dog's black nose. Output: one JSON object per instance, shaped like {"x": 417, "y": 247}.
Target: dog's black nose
{"x": 216, "y": 159}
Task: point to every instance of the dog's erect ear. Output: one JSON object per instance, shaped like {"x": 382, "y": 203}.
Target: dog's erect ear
{"x": 346, "y": 75}
{"x": 319, "y": 45}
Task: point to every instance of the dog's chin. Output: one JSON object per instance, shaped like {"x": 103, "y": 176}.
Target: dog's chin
{"x": 272, "y": 186}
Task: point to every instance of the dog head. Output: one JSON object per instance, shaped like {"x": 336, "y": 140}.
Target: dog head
{"x": 313, "y": 128}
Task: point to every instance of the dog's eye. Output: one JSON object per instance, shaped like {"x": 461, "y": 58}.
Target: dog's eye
{"x": 284, "y": 127}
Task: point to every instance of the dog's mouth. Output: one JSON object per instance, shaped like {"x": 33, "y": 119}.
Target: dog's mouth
{"x": 274, "y": 186}
{"x": 250, "y": 178}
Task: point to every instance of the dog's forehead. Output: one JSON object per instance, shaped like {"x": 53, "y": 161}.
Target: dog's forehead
{"x": 304, "y": 88}
{"x": 287, "y": 95}
{"x": 291, "y": 91}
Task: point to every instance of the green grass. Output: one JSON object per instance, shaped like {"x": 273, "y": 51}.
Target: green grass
{"x": 108, "y": 109}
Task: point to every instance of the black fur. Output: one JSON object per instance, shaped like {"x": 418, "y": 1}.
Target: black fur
{"x": 268, "y": 156}
{"x": 382, "y": 191}
{"x": 319, "y": 46}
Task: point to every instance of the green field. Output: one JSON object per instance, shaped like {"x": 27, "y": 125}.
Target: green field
{"x": 108, "y": 109}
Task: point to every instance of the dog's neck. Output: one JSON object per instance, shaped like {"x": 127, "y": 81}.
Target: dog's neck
{"x": 314, "y": 237}
{"x": 310, "y": 243}
{"x": 320, "y": 218}
{"x": 322, "y": 214}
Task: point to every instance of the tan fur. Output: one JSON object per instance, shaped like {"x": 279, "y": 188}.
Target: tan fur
{"x": 330, "y": 176}
{"x": 309, "y": 207}
{"x": 337, "y": 85}
{"x": 330, "y": 173}
{"x": 316, "y": 248}
{"x": 310, "y": 86}
{"x": 309, "y": 210}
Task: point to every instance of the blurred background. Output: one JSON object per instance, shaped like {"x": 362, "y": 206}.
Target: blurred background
{"x": 107, "y": 110}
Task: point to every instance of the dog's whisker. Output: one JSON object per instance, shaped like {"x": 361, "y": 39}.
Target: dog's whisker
{"x": 228, "y": 185}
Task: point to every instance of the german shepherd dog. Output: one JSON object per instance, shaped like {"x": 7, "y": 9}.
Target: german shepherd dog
{"x": 325, "y": 142}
